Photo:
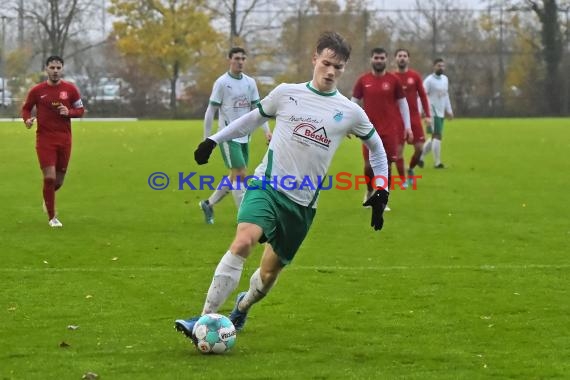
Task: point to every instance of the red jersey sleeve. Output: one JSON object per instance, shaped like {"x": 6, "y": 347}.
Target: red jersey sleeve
{"x": 76, "y": 109}
{"x": 29, "y": 104}
{"x": 357, "y": 91}
{"x": 423, "y": 95}
{"x": 399, "y": 90}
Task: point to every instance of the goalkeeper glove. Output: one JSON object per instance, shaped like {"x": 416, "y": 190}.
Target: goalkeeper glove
{"x": 377, "y": 201}
{"x": 204, "y": 150}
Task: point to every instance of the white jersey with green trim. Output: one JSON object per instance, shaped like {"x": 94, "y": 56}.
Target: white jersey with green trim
{"x": 437, "y": 90}
{"x": 235, "y": 96}
{"x": 309, "y": 127}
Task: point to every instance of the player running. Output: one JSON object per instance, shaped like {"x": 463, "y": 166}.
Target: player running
{"x": 234, "y": 94}
{"x": 56, "y": 102}
{"x": 312, "y": 120}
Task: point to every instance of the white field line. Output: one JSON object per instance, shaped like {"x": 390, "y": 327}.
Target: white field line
{"x": 488, "y": 267}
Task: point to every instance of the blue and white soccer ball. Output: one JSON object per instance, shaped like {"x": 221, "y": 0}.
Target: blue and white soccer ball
{"x": 214, "y": 333}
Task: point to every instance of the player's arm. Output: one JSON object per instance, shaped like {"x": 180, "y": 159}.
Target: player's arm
{"x": 27, "y": 109}
{"x": 240, "y": 127}
{"x": 358, "y": 93}
{"x": 405, "y": 112}
{"x": 76, "y": 109}
{"x": 209, "y": 118}
{"x": 448, "y": 109}
{"x": 423, "y": 98}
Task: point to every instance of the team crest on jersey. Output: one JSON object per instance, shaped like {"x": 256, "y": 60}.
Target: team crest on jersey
{"x": 63, "y": 95}
{"x": 385, "y": 86}
{"x": 309, "y": 134}
{"x": 338, "y": 116}
{"x": 410, "y": 80}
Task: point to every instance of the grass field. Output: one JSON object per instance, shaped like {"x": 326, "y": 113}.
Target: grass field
{"x": 470, "y": 278}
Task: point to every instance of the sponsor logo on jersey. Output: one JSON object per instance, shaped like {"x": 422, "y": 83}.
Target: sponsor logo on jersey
{"x": 309, "y": 134}
{"x": 410, "y": 80}
{"x": 241, "y": 102}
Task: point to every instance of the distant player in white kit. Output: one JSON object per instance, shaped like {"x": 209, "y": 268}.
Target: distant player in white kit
{"x": 234, "y": 94}
{"x": 312, "y": 119}
{"x": 437, "y": 90}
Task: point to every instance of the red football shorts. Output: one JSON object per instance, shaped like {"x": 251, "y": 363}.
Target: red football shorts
{"x": 418, "y": 131}
{"x": 53, "y": 153}
{"x": 390, "y": 143}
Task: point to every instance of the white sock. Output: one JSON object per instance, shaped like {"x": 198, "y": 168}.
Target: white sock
{"x": 437, "y": 151}
{"x": 426, "y": 149}
{"x": 257, "y": 290}
{"x": 237, "y": 192}
{"x": 218, "y": 195}
{"x": 226, "y": 279}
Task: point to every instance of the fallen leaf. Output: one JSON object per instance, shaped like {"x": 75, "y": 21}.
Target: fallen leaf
{"x": 72, "y": 327}
{"x": 64, "y": 345}
{"x": 114, "y": 259}
{"x": 88, "y": 296}
{"x": 45, "y": 262}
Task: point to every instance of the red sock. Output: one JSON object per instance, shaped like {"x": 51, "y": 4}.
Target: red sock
{"x": 49, "y": 196}
{"x": 400, "y": 167}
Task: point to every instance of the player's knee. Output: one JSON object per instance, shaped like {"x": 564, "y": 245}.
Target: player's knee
{"x": 242, "y": 244}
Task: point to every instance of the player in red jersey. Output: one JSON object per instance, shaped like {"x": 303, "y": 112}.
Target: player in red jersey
{"x": 414, "y": 88}
{"x": 381, "y": 95}
{"x": 56, "y": 102}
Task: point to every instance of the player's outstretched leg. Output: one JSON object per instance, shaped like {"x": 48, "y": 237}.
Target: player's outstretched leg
{"x": 186, "y": 326}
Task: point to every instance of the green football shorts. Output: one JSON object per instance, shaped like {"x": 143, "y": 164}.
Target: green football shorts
{"x": 437, "y": 126}
{"x": 235, "y": 155}
{"x": 284, "y": 222}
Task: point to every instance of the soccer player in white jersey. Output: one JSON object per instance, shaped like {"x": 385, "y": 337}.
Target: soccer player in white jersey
{"x": 312, "y": 119}
{"x": 437, "y": 90}
{"x": 234, "y": 94}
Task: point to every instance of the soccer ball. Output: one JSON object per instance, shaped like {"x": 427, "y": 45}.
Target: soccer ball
{"x": 214, "y": 333}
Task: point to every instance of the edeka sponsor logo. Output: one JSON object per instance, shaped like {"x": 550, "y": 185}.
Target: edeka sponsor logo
{"x": 339, "y": 181}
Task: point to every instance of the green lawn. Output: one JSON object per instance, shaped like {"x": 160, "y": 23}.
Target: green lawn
{"x": 470, "y": 278}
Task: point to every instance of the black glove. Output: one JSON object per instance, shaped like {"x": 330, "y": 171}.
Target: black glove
{"x": 204, "y": 150}
{"x": 378, "y": 201}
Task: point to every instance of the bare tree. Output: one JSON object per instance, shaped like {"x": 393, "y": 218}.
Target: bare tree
{"x": 58, "y": 21}
{"x": 241, "y": 17}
